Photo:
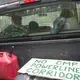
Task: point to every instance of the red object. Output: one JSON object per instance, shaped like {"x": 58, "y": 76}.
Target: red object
{"x": 29, "y": 1}
{"x": 8, "y": 66}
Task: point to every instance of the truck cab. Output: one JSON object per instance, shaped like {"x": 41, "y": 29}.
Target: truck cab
{"x": 46, "y": 29}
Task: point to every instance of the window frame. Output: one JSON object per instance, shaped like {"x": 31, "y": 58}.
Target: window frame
{"x": 62, "y": 35}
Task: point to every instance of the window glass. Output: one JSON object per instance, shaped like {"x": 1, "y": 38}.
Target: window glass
{"x": 41, "y": 20}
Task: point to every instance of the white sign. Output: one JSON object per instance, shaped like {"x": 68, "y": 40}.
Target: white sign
{"x": 54, "y": 69}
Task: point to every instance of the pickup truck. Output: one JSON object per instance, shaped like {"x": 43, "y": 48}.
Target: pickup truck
{"x": 41, "y": 29}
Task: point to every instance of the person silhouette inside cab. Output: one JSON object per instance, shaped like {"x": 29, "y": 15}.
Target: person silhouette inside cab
{"x": 71, "y": 21}
{"x": 65, "y": 21}
{"x": 33, "y": 27}
{"x": 15, "y": 29}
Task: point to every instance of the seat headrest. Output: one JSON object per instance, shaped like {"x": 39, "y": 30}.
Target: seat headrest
{"x": 66, "y": 13}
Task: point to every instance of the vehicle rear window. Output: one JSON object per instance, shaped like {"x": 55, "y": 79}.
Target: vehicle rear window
{"x": 41, "y": 20}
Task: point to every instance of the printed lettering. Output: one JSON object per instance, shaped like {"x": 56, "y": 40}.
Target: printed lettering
{"x": 69, "y": 76}
{"x": 49, "y": 73}
{"x": 42, "y": 71}
{"x": 76, "y": 77}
